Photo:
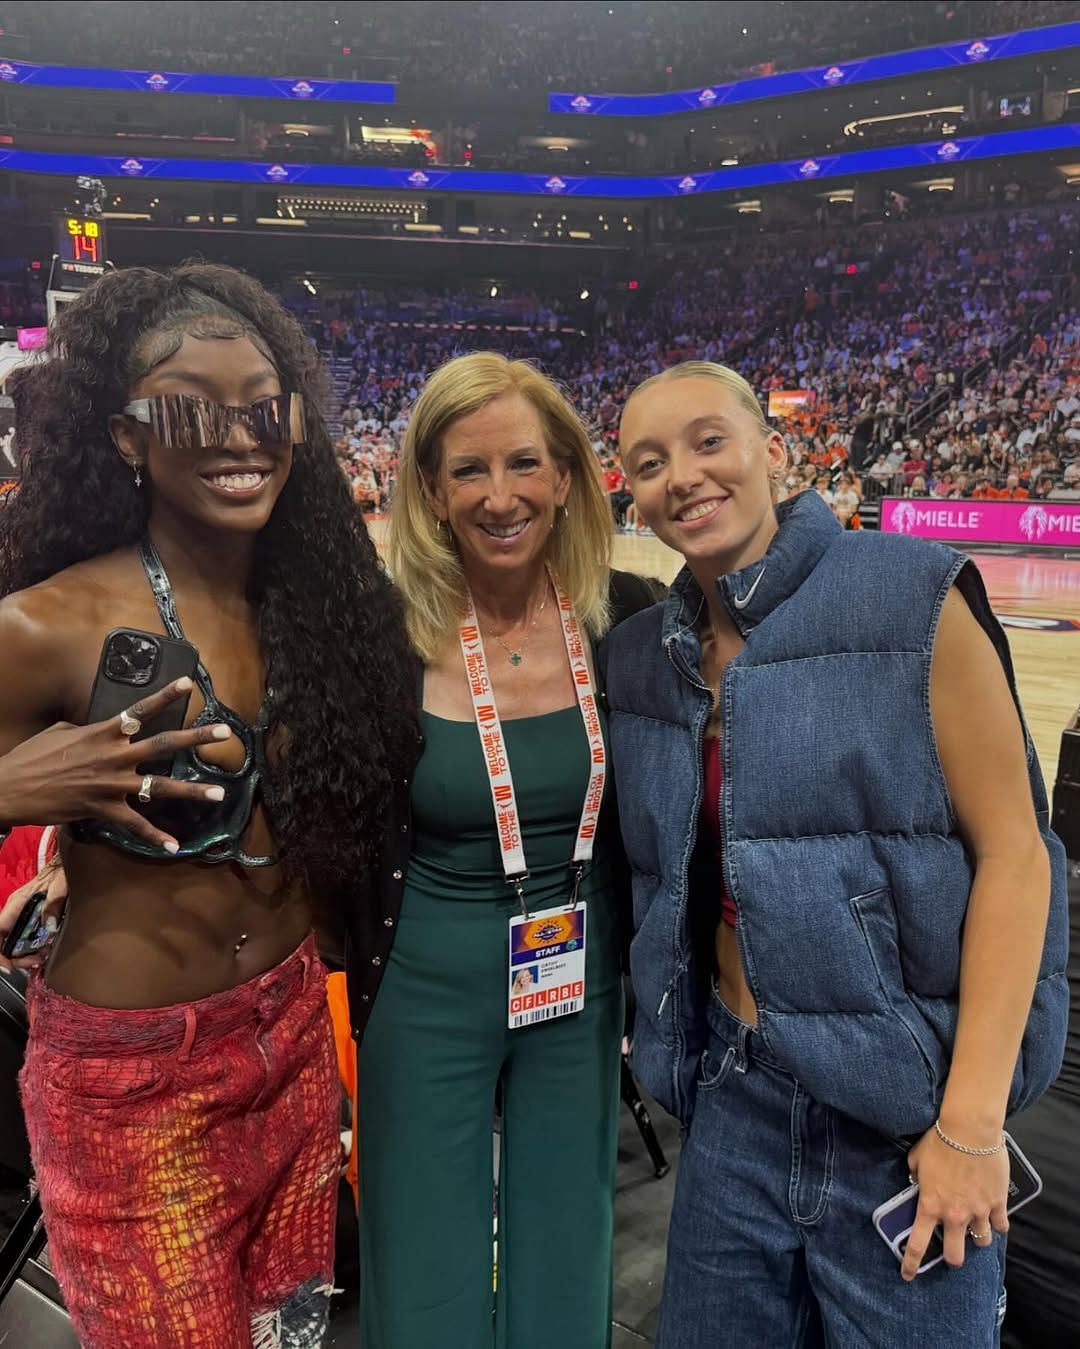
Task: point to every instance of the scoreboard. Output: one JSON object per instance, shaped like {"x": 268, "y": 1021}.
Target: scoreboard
{"x": 80, "y": 240}
{"x": 79, "y": 258}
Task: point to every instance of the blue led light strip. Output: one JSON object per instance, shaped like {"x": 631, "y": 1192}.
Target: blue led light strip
{"x": 921, "y": 61}
{"x": 932, "y": 155}
{"x": 174, "y": 82}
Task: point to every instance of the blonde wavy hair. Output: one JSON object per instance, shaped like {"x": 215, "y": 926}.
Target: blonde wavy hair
{"x": 423, "y": 560}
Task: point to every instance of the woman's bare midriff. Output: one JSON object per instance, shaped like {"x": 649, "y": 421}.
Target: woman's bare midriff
{"x": 730, "y": 980}
{"x": 146, "y": 933}
{"x": 151, "y": 934}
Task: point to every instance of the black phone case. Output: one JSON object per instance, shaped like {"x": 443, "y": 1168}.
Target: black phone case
{"x": 22, "y": 926}
{"x": 111, "y": 696}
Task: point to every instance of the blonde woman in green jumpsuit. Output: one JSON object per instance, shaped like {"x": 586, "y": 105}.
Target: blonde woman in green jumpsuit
{"x": 499, "y": 504}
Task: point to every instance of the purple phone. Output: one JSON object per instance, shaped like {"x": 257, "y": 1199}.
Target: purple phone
{"x": 896, "y": 1217}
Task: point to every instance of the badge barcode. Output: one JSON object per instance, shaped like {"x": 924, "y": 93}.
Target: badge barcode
{"x": 544, "y": 1014}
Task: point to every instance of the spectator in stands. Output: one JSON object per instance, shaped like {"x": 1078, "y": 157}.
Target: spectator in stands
{"x": 846, "y": 499}
{"x": 880, "y": 470}
{"x": 915, "y": 465}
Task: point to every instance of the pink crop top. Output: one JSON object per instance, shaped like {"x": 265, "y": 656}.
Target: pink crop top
{"x": 710, "y": 819}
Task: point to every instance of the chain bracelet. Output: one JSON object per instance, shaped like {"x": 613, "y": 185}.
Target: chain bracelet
{"x": 960, "y": 1147}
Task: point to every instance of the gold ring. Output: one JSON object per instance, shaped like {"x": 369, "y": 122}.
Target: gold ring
{"x": 147, "y": 788}
{"x": 979, "y": 1236}
{"x": 129, "y": 725}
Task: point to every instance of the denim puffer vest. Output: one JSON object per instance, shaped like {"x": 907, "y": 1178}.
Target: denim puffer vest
{"x": 841, "y": 848}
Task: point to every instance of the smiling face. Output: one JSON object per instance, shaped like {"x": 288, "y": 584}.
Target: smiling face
{"x": 231, "y": 486}
{"x": 498, "y": 486}
{"x": 699, "y": 465}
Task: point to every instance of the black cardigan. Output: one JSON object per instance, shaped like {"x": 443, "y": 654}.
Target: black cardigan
{"x": 373, "y": 917}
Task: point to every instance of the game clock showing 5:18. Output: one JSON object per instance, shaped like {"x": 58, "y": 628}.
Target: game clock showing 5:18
{"x": 80, "y": 240}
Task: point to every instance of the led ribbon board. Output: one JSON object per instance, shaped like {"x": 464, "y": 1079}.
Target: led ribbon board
{"x": 933, "y": 155}
{"x": 174, "y": 82}
{"x": 840, "y": 74}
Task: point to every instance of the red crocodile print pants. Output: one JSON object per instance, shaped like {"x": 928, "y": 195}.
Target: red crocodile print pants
{"x": 188, "y": 1159}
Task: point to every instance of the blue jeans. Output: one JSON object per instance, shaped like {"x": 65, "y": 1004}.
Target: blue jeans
{"x": 771, "y": 1242}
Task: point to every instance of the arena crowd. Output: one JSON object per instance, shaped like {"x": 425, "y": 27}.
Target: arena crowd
{"x": 940, "y": 355}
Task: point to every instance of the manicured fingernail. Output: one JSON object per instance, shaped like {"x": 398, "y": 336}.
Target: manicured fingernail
{"x": 183, "y": 684}
{"x": 172, "y": 847}
{"x": 215, "y": 793}
{"x": 221, "y": 732}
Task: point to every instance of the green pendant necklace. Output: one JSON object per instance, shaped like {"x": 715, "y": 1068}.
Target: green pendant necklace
{"x": 516, "y": 654}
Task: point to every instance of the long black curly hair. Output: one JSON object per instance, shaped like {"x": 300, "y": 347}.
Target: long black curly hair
{"x": 330, "y": 623}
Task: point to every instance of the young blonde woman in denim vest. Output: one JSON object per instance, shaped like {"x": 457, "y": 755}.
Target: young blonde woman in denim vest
{"x": 850, "y": 945}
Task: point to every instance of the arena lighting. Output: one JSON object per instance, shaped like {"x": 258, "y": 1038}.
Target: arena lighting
{"x": 309, "y": 287}
{"x": 938, "y": 153}
{"x": 633, "y": 285}
{"x": 974, "y": 50}
{"x": 584, "y": 295}
{"x": 162, "y": 83}
{"x": 852, "y": 128}
{"x": 274, "y": 220}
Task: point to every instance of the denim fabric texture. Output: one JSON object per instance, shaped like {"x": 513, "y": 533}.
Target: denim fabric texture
{"x": 841, "y": 847}
{"x": 771, "y": 1239}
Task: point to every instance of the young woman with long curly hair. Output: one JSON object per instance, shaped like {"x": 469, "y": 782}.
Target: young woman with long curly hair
{"x": 180, "y": 1085}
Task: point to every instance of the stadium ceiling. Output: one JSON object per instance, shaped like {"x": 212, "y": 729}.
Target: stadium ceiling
{"x": 837, "y": 75}
{"x": 936, "y": 154}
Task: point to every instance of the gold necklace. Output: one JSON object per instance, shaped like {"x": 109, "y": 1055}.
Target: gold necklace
{"x": 516, "y": 654}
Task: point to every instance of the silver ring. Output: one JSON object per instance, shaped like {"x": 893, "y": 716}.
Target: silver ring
{"x": 129, "y": 725}
{"x": 147, "y": 788}
{"x": 979, "y": 1236}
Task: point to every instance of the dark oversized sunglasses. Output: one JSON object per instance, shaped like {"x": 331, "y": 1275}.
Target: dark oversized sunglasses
{"x": 180, "y": 421}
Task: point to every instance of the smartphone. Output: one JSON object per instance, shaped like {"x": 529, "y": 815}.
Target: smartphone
{"x": 896, "y": 1217}
{"x": 133, "y": 665}
{"x": 29, "y": 934}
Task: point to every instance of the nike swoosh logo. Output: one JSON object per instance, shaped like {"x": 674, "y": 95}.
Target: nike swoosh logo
{"x": 743, "y": 601}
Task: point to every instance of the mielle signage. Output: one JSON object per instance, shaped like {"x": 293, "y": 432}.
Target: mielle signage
{"x": 1050, "y": 523}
